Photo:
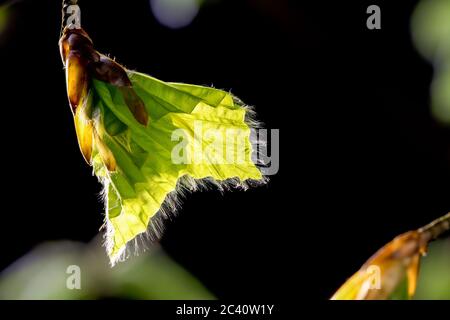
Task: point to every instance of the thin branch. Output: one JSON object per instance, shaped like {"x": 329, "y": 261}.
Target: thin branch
{"x": 436, "y": 229}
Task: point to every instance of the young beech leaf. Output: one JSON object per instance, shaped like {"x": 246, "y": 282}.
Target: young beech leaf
{"x": 126, "y": 123}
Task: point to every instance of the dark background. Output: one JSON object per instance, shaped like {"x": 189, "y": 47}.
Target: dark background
{"x": 362, "y": 159}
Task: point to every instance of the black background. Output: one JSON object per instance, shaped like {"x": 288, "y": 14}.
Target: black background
{"x": 362, "y": 159}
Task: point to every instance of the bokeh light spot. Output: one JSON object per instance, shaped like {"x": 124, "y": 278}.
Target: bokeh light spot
{"x": 175, "y": 13}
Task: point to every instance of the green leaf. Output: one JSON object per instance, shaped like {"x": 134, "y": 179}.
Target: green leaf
{"x": 146, "y": 174}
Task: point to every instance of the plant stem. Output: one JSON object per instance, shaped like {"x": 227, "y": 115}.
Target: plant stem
{"x": 436, "y": 229}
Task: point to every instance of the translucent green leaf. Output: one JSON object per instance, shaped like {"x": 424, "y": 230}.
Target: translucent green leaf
{"x": 147, "y": 178}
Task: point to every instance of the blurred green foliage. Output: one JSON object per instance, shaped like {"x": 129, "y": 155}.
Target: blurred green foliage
{"x": 430, "y": 27}
{"x": 4, "y": 17}
{"x": 434, "y": 278}
{"x": 431, "y": 34}
{"x": 42, "y": 274}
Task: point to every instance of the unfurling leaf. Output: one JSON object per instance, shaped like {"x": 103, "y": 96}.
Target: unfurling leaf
{"x": 126, "y": 123}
